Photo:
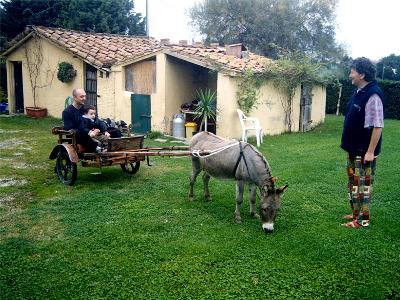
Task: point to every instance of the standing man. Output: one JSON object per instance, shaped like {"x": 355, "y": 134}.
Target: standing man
{"x": 71, "y": 118}
{"x": 361, "y": 139}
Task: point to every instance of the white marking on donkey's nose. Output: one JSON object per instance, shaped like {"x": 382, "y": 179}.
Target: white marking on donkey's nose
{"x": 268, "y": 226}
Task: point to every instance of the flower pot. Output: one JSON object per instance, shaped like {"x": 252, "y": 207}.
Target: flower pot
{"x": 36, "y": 112}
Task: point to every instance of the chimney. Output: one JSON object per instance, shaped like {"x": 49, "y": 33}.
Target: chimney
{"x": 235, "y": 50}
{"x": 164, "y": 41}
{"x": 183, "y": 42}
{"x": 214, "y": 45}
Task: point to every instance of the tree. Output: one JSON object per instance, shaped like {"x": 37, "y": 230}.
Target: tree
{"x": 389, "y": 67}
{"x": 109, "y": 16}
{"x": 267, "y": 25}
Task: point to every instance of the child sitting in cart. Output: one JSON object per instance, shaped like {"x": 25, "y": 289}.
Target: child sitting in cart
{"x": 95, "y": 128}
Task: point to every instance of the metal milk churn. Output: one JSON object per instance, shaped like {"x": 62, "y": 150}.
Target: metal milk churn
{"x": 178, "y": 126}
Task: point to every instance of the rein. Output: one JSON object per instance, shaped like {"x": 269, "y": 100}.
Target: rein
{"x": 241, "y": 155}
{"x": 197, "y": 153}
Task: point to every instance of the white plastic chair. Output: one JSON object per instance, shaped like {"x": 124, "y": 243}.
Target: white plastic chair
{"x": 250, "y": 123}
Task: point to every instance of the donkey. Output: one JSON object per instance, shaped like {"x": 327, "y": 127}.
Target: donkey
{"x": 239, "y": 160}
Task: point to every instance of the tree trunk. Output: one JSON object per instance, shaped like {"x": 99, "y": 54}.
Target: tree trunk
{"x": 338, "y": 101}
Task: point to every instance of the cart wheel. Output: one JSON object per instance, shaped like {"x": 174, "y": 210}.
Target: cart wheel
{"x": 131, "y": 168}
{"x": 65, "y": 169}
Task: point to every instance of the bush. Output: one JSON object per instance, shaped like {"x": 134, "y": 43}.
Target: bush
{"x": 391, "y": 89}
{"x": 3, "y": 96}
{"x": 154, "y": 135}
{"x": 66, "y": 72}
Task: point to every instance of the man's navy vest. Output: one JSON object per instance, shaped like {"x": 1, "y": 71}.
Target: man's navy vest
{"x": 356, "y": 138}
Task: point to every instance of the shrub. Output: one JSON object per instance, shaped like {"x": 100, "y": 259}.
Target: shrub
{"x": 391, "y": 89}
{"x": 66, "y": 72}
{"x": 154, "y": 135}
{"x": 3, "y": 95}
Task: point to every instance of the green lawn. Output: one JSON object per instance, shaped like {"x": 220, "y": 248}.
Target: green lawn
{"x": 113, "y": 236}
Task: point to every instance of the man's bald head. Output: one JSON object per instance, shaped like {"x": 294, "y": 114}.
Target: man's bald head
{"x": 77, "y": 91}
{"x": 79, "y": 97}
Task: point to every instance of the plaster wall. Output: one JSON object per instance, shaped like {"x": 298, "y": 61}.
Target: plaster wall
{"x": 318, "y": 105}
{"x": 181, "y": 87}
{"x": 269, "y": 110}
{"x": 51, "y": 93}
{"x": 107, "y": 94}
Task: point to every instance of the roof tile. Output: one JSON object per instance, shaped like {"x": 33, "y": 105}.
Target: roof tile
{"x": 104, "y": 50}
{"x": 212, "y": 56}
{"x": 89, "y": 45}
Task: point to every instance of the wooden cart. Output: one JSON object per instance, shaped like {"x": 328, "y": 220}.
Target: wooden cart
{"x": 128, "y": 152}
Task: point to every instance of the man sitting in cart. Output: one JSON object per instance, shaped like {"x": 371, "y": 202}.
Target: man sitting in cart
{"x": 72, "y": 116}
{"x": 89, "y": 125}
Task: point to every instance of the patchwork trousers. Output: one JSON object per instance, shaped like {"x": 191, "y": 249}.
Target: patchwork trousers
{"x": 361, "y": 177}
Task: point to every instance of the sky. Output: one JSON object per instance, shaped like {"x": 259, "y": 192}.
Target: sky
{"x": 364, "y": 27}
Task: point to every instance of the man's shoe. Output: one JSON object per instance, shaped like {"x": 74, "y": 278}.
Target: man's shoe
{"x": 348, "y": 217}
{"x": 352, "y": 224}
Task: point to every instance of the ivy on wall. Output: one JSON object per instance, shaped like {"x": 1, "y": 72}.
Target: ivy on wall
{"x": 286, "y": 74}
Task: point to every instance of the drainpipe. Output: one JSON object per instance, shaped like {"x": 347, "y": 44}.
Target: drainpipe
{"x": 147, "y": 18}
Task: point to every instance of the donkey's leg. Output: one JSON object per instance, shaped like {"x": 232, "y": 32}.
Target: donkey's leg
{"x": 206, "y": 179}
{"x": 252, "y": 201}
{"x": 239, "y": 200}
{"x": 196, "y": 169}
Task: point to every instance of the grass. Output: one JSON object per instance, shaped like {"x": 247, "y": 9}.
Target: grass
{"x": 115, "y": 236}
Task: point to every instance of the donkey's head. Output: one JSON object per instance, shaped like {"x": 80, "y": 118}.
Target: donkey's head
{"x": 270, "y": 204}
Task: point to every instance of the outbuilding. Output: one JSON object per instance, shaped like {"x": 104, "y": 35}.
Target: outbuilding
{"x": 145, "y": 82}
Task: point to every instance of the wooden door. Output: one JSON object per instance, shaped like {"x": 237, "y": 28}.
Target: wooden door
{"x": 305, "y": 107}
{"x": 141, "y": 113}
{"x": 18, "y": 87}
{"x": 91, "y": 86}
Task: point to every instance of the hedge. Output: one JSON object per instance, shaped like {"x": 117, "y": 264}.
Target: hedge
{"x": 391, "y": 89}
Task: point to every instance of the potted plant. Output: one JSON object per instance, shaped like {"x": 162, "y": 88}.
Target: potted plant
{"x": 34, "y": 61}
{"x": 206, "y": 109}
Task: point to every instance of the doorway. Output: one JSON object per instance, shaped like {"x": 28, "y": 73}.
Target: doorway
{"x": 18, "y": 87}
{"x": 91, "y": 86}
{"x": 141, "y": 113}
{"x": 305, "y": 107}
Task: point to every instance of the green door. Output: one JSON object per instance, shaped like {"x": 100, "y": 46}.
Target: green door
{"x": 141, "y": 113}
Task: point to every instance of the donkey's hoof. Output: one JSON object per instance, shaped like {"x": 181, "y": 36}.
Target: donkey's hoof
{"x": 208, "y": 197}
{"x": 238, "y": 220}
{"x": 255, "y": 215}
{"x": 190, "y": 198}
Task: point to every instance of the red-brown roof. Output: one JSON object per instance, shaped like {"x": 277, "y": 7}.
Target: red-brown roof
{"x": 216, "y": 58}
{"x": 99, "y": 49}
{"x": 103, "y": 50}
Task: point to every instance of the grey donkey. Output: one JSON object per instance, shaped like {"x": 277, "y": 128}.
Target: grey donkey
{"x": 241, "y": 161}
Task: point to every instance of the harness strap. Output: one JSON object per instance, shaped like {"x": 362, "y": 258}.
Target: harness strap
{"x": 241, "y": 155}
{"x": 198, "y": 153}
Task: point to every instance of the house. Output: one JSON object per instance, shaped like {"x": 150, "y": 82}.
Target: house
{"x": 145, "y": 82}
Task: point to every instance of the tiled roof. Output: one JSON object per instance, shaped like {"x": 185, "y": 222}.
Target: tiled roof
{"x": 99, "y": 49}
{"x": 217, "y": 58}
{"x": 103, "y": 50}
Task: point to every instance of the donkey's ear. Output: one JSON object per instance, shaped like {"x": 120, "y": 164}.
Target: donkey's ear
{"x": 281, "y": 189}
{"x": 274, "y": 179}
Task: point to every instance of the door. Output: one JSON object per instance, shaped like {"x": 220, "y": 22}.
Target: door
{"x": 91, "y": 86}
{"x": 305, "y": 107}
{"x": 18, "y": 87}
{"x": 141, "y": 113}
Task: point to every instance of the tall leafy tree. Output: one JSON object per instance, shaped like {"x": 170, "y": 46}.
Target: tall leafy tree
{"x": 389, "y": 67}
{"x": 268, "y": 26}
{"x": 109, "y": 16}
